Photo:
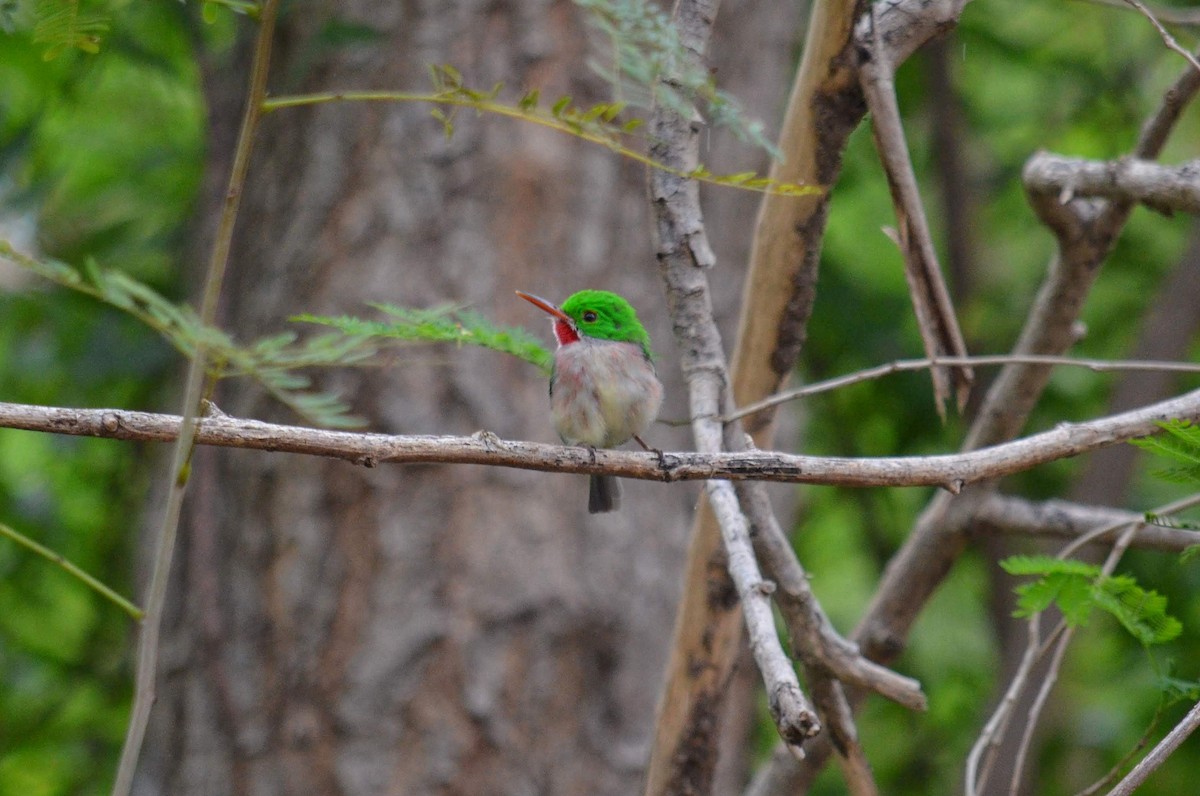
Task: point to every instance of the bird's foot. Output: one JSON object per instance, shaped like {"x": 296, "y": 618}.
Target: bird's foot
{"x": 662, "y": 460}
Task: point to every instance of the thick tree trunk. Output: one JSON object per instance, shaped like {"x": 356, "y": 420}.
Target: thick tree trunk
{"x": 433, "y": 628}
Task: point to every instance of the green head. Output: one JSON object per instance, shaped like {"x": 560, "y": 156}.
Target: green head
{"x": 607, "y": 316}
{"x": 594, "y": 313}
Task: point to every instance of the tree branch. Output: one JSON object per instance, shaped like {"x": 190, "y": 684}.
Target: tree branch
{"x": 683, "y": 756}
{"x": 949, "y": 471}
{"x": 907, "y": 365}
{"x": 1158, "y": 754}
{"x": 814, "y": 641}
{"x": 1165, "y": 189}
{"x": 148, "y": 638}
{"x": 1063, "y": 519}
{"x": 1087, "y": 231}
{"x": 930, "y": 298}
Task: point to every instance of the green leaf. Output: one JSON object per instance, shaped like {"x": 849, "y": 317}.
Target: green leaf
{"x": 445, "y": 324}
{"x": 1070, "y": 592}
{"x": 563, "y": 103}
{"x": 1180, "y": 442}
{"x": 61, "y": 26}
{"x": 1048, "y": 565}
{"x": 1142, "y": 612}
{"x": 529, "y": 101}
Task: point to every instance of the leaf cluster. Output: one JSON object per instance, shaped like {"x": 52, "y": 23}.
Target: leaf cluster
{"x": 601, "y": 123}
{"x": 649, "y": 63}
{"x": 62, "y": 26}
{"x": 1076, "y": 587}
{"x": 445, "y": 324}
{"x": 1181, "y": 444}
{"x": 272, "y": 361}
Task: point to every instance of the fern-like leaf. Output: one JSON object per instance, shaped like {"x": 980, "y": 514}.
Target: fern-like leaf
{"x": 1076, "y": 587}
{"x": 447, "y": 324}
{"x": 1048, "y": 565}
{"x": 62, "y": 26}
{"x": 272, "y": 361}
{"x": 1141, "y": 611}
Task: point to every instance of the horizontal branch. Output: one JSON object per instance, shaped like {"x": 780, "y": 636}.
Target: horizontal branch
{"x": 1064, "y": 519}
{"x": 950, "y": 471}
{"x": 1163, "y": 188}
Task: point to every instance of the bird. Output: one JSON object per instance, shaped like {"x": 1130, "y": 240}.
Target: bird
{"x": 604, "y": 390}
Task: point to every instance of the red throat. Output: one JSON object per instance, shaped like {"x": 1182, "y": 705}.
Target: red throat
{"x": 564, "y": 332}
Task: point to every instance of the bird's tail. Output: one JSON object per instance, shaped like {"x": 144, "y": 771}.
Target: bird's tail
{"x": 604, "y": 494}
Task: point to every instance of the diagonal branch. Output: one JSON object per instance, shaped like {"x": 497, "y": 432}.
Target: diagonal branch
{"x": 1087, "y": 231}
{"x": 930, "y": 297}
{"x": 814, "y": 641}
{"x": 1158, "y": 755}
{"x": 148, "y": 637}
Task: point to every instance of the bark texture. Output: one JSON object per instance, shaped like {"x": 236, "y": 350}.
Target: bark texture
{"x": 423, "y": 629}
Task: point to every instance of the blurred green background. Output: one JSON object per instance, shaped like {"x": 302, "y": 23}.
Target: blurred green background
{"x": 102, "y": 156}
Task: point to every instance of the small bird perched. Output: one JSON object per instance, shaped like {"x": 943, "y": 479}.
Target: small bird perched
{"x": 603, "y": 389}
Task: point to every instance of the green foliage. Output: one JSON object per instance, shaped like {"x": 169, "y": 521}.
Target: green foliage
{"x": 1077, "y": 587}
{"x": 447, "y": 324}
{"x": 1181, "y": 444}
{"x": 271, "y": 361}
{"x": 598, "y": 124}
{"x": 649, "y": 63}
{"x": 63, "y": 26}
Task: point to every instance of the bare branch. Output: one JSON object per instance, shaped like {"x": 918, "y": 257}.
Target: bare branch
{"x": 906, "y": 365}
{"x": 794, "y": 716}
{"x": 814, "y": 641}
{"x": 1163, "y": 188}
{"x": 1060, "y": 518}
{"x": 684, "y": 253}
{"x": 950, "y": 471}
{"x": 1167, "y": 15}
{"x": 1158, "y": 754}
{"x": 1167, "y": 38}
{"x": 931, "y": 300}
{"x": 177, "y": 477}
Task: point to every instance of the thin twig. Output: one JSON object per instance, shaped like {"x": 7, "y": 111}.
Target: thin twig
{"x": 1167, "y": 38}
{"x": 908, "y": 365}
{"x": 147, "y": 663}
{"x": 1113, "y": 772}
{"x": 59, "y": 560}
{"x": 606, "y": 138}
{"x": 993, "y": 730}
{"x": 989, "y": 737}
{"x": 1060, "y": 651}
{"x": 1170, "y": 16}
{"x": 1158, "y": 755}
{"x": 1063, "y": 518}
{"x": 930, "y": 298}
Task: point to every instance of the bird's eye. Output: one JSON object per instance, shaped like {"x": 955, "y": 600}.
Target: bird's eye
{"x": 589, "y": 316}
